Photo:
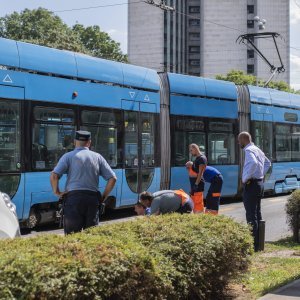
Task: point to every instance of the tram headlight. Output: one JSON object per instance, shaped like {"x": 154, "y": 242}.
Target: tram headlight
{"x": 10, "y": 205}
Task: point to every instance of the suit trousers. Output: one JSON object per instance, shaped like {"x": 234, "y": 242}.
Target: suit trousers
{"x": 252, "y": 194}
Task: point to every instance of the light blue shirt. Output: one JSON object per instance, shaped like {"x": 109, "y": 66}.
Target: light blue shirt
{"x": 256, "y": 163}
{"x": 83, "y": 168}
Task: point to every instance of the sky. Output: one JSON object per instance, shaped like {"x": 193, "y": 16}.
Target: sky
{"x": 113, "y": 20}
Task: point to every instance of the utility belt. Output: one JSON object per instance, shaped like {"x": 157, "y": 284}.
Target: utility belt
{"x": 88, "y": 192}
{"x": 253, "y": 180}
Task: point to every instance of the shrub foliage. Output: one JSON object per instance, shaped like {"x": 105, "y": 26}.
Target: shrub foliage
{"x": 292, "y": 209}
{"x": 163, "y": 257}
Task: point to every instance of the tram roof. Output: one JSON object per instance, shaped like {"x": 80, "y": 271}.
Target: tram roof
{"x": 42, "y": 59}
{"x": 205, "y": 87}
{"x": 273, "y": 97}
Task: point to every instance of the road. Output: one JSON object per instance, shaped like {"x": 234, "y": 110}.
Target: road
{"x": 272, "y": 210}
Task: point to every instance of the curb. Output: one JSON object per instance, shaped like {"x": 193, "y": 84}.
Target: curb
{"x": 277, "y": 294}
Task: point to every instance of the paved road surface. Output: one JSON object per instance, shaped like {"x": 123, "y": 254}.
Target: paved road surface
{"x": 273, "y": 213}
{"x": 272, "y": 210}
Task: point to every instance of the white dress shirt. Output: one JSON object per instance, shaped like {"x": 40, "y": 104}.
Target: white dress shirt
{"x": 256, "y": 163}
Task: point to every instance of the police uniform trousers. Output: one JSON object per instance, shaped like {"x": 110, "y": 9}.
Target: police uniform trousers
{"x": 81, "y": 210}
{"x": 253, "y": 192}
{"x": 214, "y": 194}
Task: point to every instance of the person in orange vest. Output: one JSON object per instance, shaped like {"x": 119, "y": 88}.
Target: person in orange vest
{"x": 196, "y": 170}
{"x": 215, "y": 178}
{"x": 163, "y": 202}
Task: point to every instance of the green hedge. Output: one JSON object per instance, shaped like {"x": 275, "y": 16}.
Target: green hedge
{"x": 164, "y": 257}
{"x": 292, "y": 209}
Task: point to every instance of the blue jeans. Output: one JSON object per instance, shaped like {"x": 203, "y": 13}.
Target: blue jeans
{"x": 253, "y": 192}
{"x": 81, "y": 210}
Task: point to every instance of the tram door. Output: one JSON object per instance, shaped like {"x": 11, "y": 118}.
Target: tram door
{"x": 11, "y": 181}
{"x": 139, "y": 151}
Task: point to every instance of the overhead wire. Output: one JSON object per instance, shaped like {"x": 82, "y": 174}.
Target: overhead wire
{"x": 97, "y": 6}
{"x": 180, "y": 13}
{"x": 175, "y": 10}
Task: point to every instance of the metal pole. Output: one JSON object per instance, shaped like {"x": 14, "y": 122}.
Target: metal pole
{"x": 296, "y": 227}
{"x": 261, "y": 235}
{"x": 271, "y": 77}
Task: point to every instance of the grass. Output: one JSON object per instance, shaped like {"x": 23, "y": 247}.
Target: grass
{"x": 276, "y": 266}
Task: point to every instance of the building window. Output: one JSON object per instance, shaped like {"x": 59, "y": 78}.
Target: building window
{"x": 194, "y": 9}
{"x": 194, "y": 36}
{"x": 194, "y": 22}
{"x": 194, "y": 62}
{"x": 250, "y": 53}
{"x": 250, "y": 9}
{"x": 250, "y": 23}
{"x": 250, "y": 69}
{"x": 194, "y": 49}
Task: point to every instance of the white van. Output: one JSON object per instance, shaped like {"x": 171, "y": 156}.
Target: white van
{"x": 9, "y": 224}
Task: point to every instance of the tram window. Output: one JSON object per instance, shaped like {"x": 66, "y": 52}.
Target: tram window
{"x": 263, "y": 137}
{"x": 296, "y": 143}
{"x": 182, "y": 141}
{"x": 9, "y": 136}
{"x": 290, "y": 117}
{"x": 53, "y": 135}
{"x": 189, "y": 125}
{"x": 147, "y": 121}
{"x": 221, "y": 126}
{"x": 104, "y": 131}
{"x": 104, "y": 141}
{"x": 221, "y": 148}
{"x": 198, "y": 139}
{"x": 257, "y": 134}
{"x": 53, "y": 114}
{"x": 283, "y": 143}
{"x": 99, "y": 117}
{"x": 131, "y": 139}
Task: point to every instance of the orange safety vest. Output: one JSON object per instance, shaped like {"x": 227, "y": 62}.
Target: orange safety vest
{"x": 192, "y": 173}
{"x": 183, "y": 195}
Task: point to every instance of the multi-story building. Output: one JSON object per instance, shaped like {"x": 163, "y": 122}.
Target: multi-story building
{"x": 199, "y": 37}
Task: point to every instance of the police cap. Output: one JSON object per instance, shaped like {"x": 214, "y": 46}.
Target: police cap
{"x": 82, "y": 135}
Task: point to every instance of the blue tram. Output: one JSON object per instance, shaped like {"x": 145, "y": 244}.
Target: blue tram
{"x": 141, "y": 122}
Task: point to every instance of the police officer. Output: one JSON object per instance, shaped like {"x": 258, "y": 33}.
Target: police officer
{"x": 82, "y": 197}
{"x": 255, "y": 168}
{"x": 214, "y": 177}
{"x": 196, "y": 170}
{"x": 163, "y": 202}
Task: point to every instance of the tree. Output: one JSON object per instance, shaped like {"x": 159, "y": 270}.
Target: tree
{"x": 41, "y": 26}
{"x": 240, "y": 78}
{"x": 99, "y": 43}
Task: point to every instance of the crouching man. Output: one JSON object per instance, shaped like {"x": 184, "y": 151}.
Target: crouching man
{"x": 163, "y": 202}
